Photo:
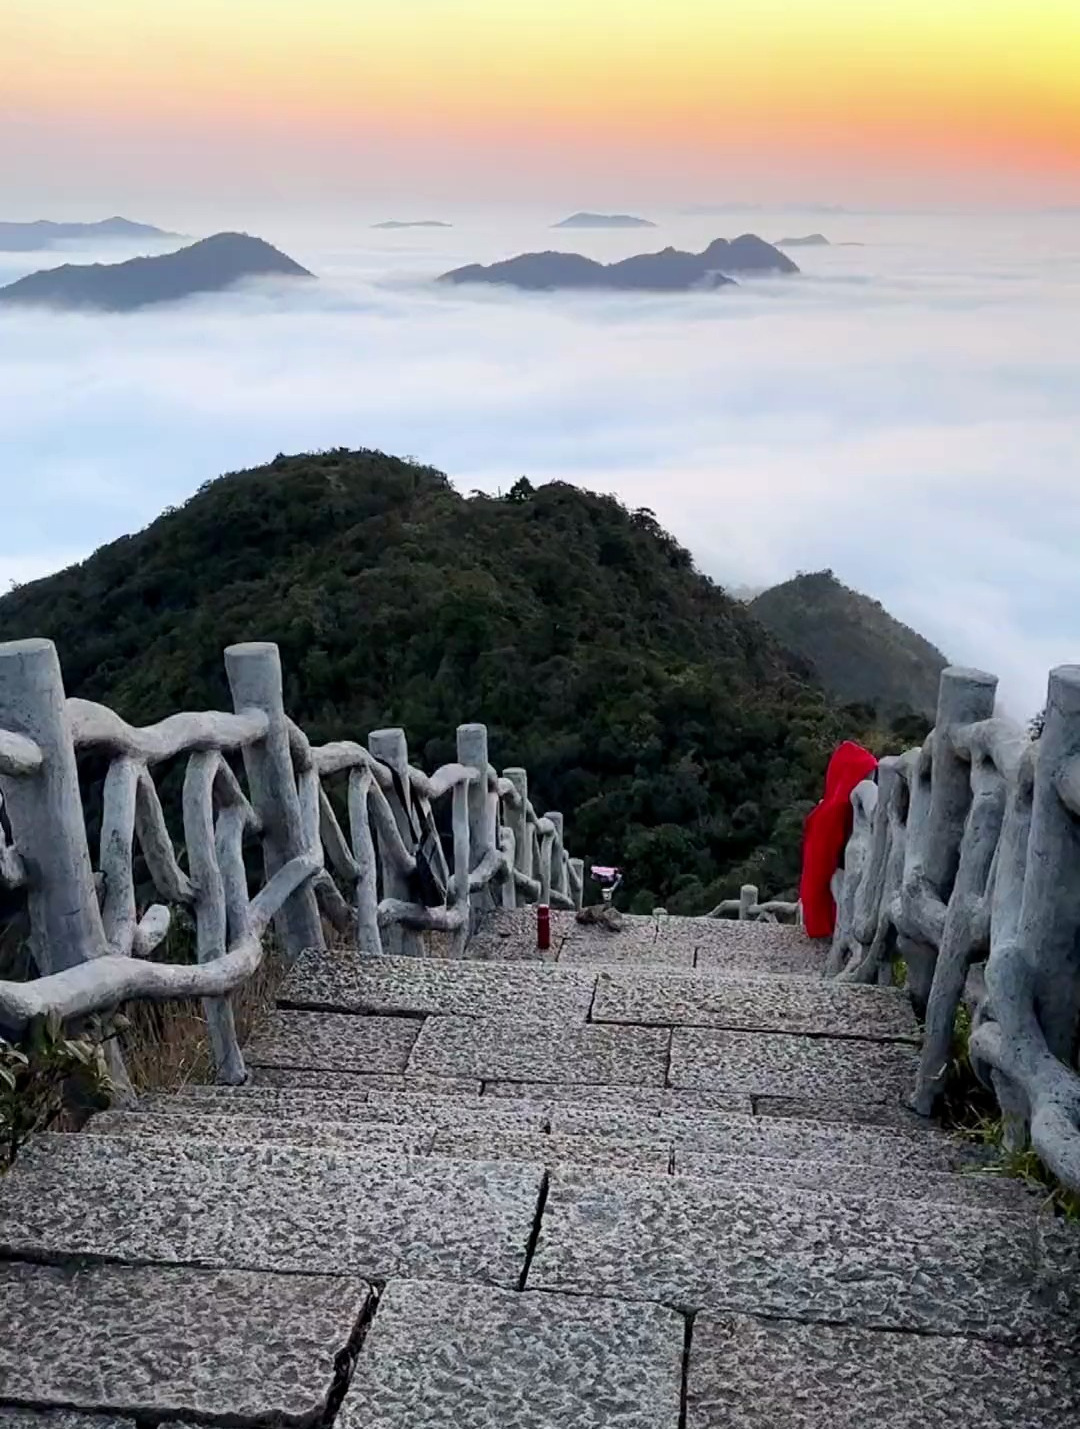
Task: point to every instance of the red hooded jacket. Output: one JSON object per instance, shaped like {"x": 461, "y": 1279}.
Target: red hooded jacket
{"x": 828, "y": 828}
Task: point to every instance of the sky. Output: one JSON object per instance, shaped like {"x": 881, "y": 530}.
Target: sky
{"x": 852, "y": 101}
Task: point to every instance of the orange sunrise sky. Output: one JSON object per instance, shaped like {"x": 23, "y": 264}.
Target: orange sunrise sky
{"x": 938, "y": 101}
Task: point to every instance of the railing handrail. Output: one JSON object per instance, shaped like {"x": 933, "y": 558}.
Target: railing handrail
{"x": 90, "y": 944}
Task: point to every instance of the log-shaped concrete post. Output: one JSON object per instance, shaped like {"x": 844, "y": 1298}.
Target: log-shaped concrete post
{"x": 254, "y": 672}
{"x": 472, "y": 750}
{"x": 964, "y": 697}
{"x": 748, "y": 897}
{"x": 390, "y": 747}
{"x": 1050, "y": 910}
{"x": 517, "y": 820}
{"x": 45, "y": 809}
{"x": 577, "y": 881}
{"x": 559, "y": 881}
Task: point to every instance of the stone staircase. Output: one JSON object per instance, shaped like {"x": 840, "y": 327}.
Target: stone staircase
{"x": 657, "y": 1179}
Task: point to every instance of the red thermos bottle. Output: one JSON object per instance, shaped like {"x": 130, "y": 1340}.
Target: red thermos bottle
{"x": 543, "y": 927}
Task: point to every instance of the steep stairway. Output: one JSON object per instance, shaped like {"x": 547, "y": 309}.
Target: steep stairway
{"x": 662, "y": 1178}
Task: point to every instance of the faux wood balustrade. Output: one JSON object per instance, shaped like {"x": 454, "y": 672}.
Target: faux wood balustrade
{"x": 90, "y": 941}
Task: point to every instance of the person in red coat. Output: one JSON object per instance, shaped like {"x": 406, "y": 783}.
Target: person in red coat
{"x": 827, "y": 830}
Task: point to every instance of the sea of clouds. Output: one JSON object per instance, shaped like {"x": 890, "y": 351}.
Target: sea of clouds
{"x": 906, "y": 412}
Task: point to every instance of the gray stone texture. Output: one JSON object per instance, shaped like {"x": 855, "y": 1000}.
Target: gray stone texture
{"x": 756, "y": 1003}
{"x": 465, "y": 1357}
{"x": 523, "y": 1051}
{"x": 647, "y": 1157}
{"x": 783, "y": 1064}
{"x": 891, "y": 1114}
{"x": 154, "y": 1341}
{"x": 642, "y": 946}
{"x": 294, "y": 1103}
{"x": 802, "y": 1255}
{"x": 269, "y": 1207}
{"x": 350, "y": 983}
{"x": 326, "y": 1079}
{"x": 753, "y": 1374}
{"x": 729, "y": 1134}
{"x": 638, "y": 1098}
{"x": 334, "y": 1040}
{"x": 846, "y": 1179}
{"x": 361, "y": 1135}
{"x": 726, "y": 944}
{"x": 13, "y": 1418}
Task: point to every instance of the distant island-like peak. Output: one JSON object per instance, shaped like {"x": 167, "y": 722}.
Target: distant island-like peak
{"x": 604, "y": 220}
{"x": 413, "y": 223}
{"x": 668, "y": 271}
{"x": 208, "y": 266}
{"x": 808, "y": 240}
{"x": 44, "y": 233}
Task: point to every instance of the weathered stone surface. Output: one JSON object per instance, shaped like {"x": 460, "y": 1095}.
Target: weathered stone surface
{"x": 747, "y": 1374}
{"x": 845, "y": 1179}
{"x": 457, "y": 1112}
{"x": 730, "y": 1134}
{"x": 259, "y": 1101}
{"x": 323, "y": 1079}
{"x": 529, "y": 1051}
{"x": 12, "y": 1418}
{"x": 893, "y": 1114}
{"x": 368, "y": 1134}
{"x": 647, "y": 1157}
{"x": 639, "y": 1098}
{"x": 756, "y": 1003}
{"x": 637, "y": 943}
{"x": 153, "y": 1341}
{"x": 526, "y": 991}
{"x": 726, "y": 946}
{"x": 509, "y": 934}
{"x": 285, "y": 1208}
{"x": 334, "y": 1040}
{"x": 778, "y": 1063}
{"x": 792, "y": 1254}
{"x": 465, "y": 1357}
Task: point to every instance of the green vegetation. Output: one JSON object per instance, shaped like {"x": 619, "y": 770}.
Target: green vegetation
{"x": 679, "y": 738}
{"x": 46, "y": 1074}
{"x": 861, "y": 653}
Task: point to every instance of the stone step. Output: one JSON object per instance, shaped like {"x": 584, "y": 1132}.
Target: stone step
{"x": 334, "y": 1040}
{"x": 745, "y": 1373}
{"x": 357, "y": 1135}
{"x": 319, "y": 1078}
{"x": 794, "y": 1254}
{"x": 12, "y": 1417}
{"x": 753, "y": 1002}
{"x": 438, "y": 1355}
{"x": 780, "y": 1064}
{"x": 268, "y": 1207}
{"x": 419, "y": 986}
{"x": 236, "y": 1347}
{"x": 502, "y": 1049}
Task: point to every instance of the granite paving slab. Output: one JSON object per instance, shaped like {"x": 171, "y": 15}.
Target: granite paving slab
{"x": 326, "y": 1079}
{"x": 465, "y": 1357}
{"x": 528, "y": 1051}
{"x": 748, "y": 1374}
{"x": 755, "y": 1003}
{"x": 458, "y": 1112}
{"x": 256, "y": 1100}
{"x": 748, "y": 937}
{"x": 650, "y": 1157}
{"x": 779, "y": 1063}
{"x": 593, "y": 947}
{"x": 639, "y": 1098}
{"x": 333, "y": 1040}
{"x": 359, "y": 1135}
{"x": 979, "y": 1188}
{"x": 12, "y": 1417}
{"x": 419, "y": 986}
{"x": 724, "y": 946}
{"x": 269, "y": 1207}
{"x": 241, "y": 1347}
{"x": 891, "y": 1114}
{"x": 734, "y": 1134}
{"x": 795, "y": 1254}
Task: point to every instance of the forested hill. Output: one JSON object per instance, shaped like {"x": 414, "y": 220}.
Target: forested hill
{"x": 861, "y": 653}
{"x": 677, "y": 736}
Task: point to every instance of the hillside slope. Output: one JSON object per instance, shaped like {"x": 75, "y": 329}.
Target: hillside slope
{"x": 677, "y": 736}
{"x": 861, "y": 653}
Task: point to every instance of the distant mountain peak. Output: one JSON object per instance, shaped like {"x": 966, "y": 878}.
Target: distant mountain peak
{"x": 42, "y": 233}
{"x": 604, "y": 220}
{"x": 861, "y": 653}
{"x": 208, "y": 266}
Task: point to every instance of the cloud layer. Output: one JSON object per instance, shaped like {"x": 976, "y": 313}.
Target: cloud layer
{"x": 904, "y": 412}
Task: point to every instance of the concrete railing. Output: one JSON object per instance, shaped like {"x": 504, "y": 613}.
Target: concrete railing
{"x": 964, "y": 861}
{"x": 747, "y": 908}
{"x": 384, "y": 882}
